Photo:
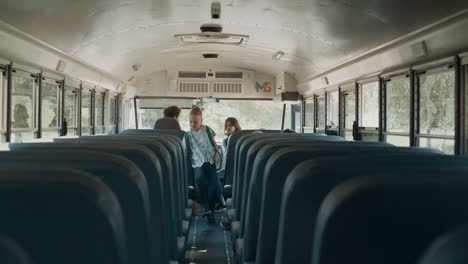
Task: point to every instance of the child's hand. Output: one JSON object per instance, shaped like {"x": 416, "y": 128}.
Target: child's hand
{"x": 217, "y": 158}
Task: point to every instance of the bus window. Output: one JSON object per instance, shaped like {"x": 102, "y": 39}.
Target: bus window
{"x": 130, "y": 113}
{"x": 437, "y": 110}
{"x": 287, "y": 117}
{"x": 2, "y": 110}
{"x": 71, "y": 113}
{"x": 22, "y": 107}
{"x": 297, "y": 118}
{"x": 332, "y": 109}
{"x": 369, "y": 111}
{"x": 149, "y": 116}
{"x": 86, "y": 112}
{"x": 349, "y": 110}
{"x": 466, "y": 108}
{"x": 309, "y": 117}
{"x": 50, "y": 115}
{"x": 113, "y": 115}
{"x": 99, "y": 114}
{"x": 320, "y": 102}
{"x": 397, "y": 111}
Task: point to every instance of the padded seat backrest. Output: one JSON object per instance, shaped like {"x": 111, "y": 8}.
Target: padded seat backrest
{"x": 324, "y": 176}
{"x": 124, "y": 178}
{"x": 175, "y": 148}
{"x": 449, "y": 248}
{"x": 178, "y": 133}
{"x": 249, "y": 154}
{"x": 263, "y": 151}
{"x": 231, "y": 150}
{"x": 243, "y": 146}
{"x": 267, "y": 187}
{"x": 61, "y": 216}
{"x": 389, "y": 217}
{"x": 171, "y": 182}
{"x": 12, "y": 253}
{"x": 148, "y": 163}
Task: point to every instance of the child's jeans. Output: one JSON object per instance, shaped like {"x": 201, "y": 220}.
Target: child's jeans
{"x": 206, "y": 185}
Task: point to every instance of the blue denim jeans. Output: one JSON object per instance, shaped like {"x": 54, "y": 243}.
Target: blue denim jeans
{"x": 206, "y": 185}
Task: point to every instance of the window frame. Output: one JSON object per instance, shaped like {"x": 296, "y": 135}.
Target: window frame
{"x": 306, "y": 101}
{"x": 385, "y": 80}
{"x": 91, "y": 110}
{"x": 3, "y": 103}
{"x": 317, "y": 97}
{"x": 362, "y": 130}
{"x": 464, "y": 107}
{"x": 35, "y": 104}
{"x": 335, "y": 128}
{"x": 433, "y": 69}
{"x": 102, "y": 126}
{"x": 77, "y": 110}
{"x": 59, "y": 84}
{"x": 113, "y": 117}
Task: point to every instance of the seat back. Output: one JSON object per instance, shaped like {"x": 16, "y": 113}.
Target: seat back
{"x": 61, "y": 215}
{"x": 248, "y": 154}
{"x": 325, "y": 177}
{"x": 262, "y": 152}
{"x": 243, "y": 147}
{"x": 389, "y": 217}
{"x": 449, "y": 248}
{"x": 276, "y": 174}
{"x": 231, "y": 149}
{"x": 147, "y": 162}
{"x": 172, "y": 184}
{"x": 178, "y": 133}
{"x": 124, "y": 178}
{"x": 12, "y": 253}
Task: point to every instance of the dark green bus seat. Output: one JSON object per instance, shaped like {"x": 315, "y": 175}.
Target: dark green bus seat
{"x": 277, "y": 169}
{"x": 324, "y": 175}
{"x": 449, "y": 248}
{"x": 12, "y": 253}
{"x": 178, "y": 133}
{"x": 61, "y": 215}
{"x": 122, "y": 176}
{"x": 390, "y": 217}
{"x": 149, "y": 164}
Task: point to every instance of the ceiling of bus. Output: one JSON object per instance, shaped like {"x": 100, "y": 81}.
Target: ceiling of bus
{"x": 315, "y": 34}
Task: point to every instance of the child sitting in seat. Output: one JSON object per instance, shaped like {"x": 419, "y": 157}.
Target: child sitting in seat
{"x": 204, "y": 155}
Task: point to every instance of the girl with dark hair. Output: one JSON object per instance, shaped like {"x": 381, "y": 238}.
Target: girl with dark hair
{"x": 231, "y": 125}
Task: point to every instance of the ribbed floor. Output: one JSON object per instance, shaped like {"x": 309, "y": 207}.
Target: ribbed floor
{"x": 207, "y": 243}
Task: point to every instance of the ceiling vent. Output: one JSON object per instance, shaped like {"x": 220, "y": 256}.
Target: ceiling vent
{"x": 192, "y": 75}
{"x": 229, "y": 75}
{"x": 210, "y": 56}
{"x": 213, "y": 38}
{"x": 227, "y": 88}
{"x": 194, "y": 87}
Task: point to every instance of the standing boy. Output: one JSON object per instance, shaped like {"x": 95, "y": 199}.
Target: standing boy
{"x": 204, "y": 155}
